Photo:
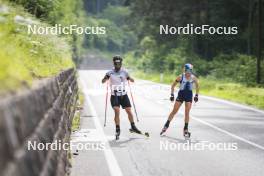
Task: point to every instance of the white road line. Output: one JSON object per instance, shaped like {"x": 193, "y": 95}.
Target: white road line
{"x": 109, "y": 155}
{"x": 233, "y": 104}
{"x": 226, "y": 132}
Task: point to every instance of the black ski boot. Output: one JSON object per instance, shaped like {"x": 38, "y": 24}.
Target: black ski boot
{"x": 164, "y": 129}
{"x": 135, "y": 130}
{"x": 186, "y": 133}
{"x": 166, "y": 126}
{"x": 117, "y": 134}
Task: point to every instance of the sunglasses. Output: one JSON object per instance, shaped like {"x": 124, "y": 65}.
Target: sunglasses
{"x": 117, "y": 63}
{"x": 188, "y": 71}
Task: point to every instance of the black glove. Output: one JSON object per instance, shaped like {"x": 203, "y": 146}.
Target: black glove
{"x": 172, "y": 97}
{"x": 195, "y": 98}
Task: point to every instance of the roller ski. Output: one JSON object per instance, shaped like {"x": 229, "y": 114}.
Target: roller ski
{"x": 186, "y": 134}
{"x": 134, "y": 129}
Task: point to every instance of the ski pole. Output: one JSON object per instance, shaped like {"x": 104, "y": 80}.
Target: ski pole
{"x": 133, "y": 100}
{"x": 106, "y": 99}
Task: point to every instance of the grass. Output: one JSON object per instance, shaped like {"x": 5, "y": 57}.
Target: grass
{"x": 25, "y": 57}
{"x": 76, "y": 121}
{"x": 236, "y": 92}
{"x": 77, "y": 116}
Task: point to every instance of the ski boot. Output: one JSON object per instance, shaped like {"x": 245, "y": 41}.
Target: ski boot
{"x": 117, "y": 134}
{"x": 186, "y": 133}
{"x": 134, "y": 129}
{"x": 164, "y": 129}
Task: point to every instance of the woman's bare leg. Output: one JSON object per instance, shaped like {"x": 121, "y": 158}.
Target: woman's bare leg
{"x": 188, "y": 106}
{"x": 176, "y": 108}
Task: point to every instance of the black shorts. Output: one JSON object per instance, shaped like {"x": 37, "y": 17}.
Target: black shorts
{"x": 185, "y": 95}
{"x": 120, "y": 100}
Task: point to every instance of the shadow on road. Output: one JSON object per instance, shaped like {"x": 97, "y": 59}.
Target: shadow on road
{"x": 178, "y": 140}
{"x": 119, "y": 143}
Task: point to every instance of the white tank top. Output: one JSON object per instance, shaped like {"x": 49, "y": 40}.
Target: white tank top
{"x": 186, "y": 84}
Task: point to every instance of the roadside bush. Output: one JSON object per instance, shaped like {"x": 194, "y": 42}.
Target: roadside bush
{"x": 236, "y": 67}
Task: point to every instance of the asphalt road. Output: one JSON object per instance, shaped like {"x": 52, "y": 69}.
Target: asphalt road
{"x": 232, "y": 136}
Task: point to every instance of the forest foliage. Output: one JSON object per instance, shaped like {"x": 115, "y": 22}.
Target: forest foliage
{"x": 132, "y": 29}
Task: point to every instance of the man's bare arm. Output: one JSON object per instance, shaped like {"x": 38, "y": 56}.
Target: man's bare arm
{"x": 106, "y": 77}
{"x": 130, "y": 79}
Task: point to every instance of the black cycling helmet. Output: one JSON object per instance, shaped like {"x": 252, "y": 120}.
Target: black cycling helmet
{"x": 117, "y": 59}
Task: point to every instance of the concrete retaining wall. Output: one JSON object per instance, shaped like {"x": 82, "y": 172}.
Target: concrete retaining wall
{"x": 43, "y": 114}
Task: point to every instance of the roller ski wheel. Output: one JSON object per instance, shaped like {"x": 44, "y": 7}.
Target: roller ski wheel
{"x": 164, "y": 129}
{"x": 186, "y": 134}
{"x": 138, "y": 132}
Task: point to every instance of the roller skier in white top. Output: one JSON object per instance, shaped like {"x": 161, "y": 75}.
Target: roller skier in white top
{"x": 118, "y": 78}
